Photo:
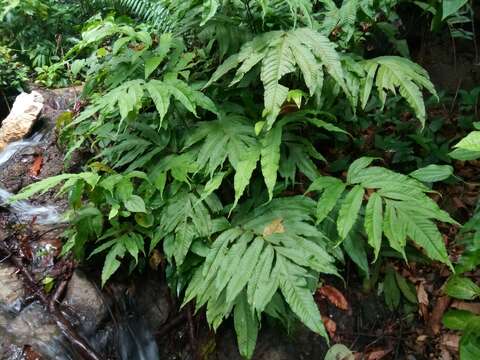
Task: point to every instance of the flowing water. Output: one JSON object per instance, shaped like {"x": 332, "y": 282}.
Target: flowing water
{"x": 28, "y": 323}
{"x": 23, "y": 209}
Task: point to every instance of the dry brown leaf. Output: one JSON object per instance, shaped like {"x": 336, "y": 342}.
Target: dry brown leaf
{"x": 462, "y": 305}
{"x": 334, "y": 296}
{"x": 330, "y": 325}
{"x": 422, "y": 295}
{"x": 36, "y": 166}
{"x": 275, "y": 227}
{"x": 422, "y": 338}
{"x": 437, "y": 313}
{"x": 451, "y": 342}
{"x": 423, "y": 301}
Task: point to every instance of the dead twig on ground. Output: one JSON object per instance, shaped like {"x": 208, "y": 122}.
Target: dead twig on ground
{"x": 78, "y": 342}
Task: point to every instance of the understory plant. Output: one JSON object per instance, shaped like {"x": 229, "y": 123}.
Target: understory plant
{"x": 208, "y": 142}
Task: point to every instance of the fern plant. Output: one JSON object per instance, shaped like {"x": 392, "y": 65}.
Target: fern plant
{"x": 210, "y": 172}
{"x": 267, "y": 251}
{"x": 398, "y": 207}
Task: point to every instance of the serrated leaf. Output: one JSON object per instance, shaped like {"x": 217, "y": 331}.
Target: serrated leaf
{"x": 226, "y": 66}
{"x": 374, "y": 222}
{"x": 394, "y": 72}
{"x": 300, "y": 299}
{"x": 277, "y": 62}
{"x": 332, "y": 190}
{"x": 357, "y": 167}
{"x": 263, "y": 284}
{"x": 355, "y": 247}
{"x": 394, "y": 228}
{"x": 44, "y": 185}
{"x": 245, "y": 269}
{"x": 426, "y": 234}
{"x": 270, "y": 157}
{"x": 212, "y": 185}
{"x": 131, "y": 246}
{"x": 246, "y": 327}
{"x": 348, "y": 213}
{"x": 231, "y": 262}
{"x": 160, "y": 97}
{"x": 112, "y": 263}
{"x": 184, "y": 236}
{"x": 243, "y": 173}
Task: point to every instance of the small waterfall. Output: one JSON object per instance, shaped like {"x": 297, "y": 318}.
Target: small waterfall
{"x": 22, "y": 323}
{"x": 26, "y": 211}
{"x": 135, "y": 341}
{"x": 23, "y": 209}
{"x": 15, "y": 146}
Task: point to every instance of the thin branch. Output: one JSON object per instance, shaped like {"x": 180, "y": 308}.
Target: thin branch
{"x": 78, "y": 342}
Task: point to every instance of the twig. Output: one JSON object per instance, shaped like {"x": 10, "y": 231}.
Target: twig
{"x": 454, "y": 101}
{"x": 78, "y": 342}
{"x": 49, "y": 231}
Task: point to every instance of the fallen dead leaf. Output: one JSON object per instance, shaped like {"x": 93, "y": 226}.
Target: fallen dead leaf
{"x": 422, "y": 295}
{"x": 422, "y": 338}
{"x": 334, "y": 296}
{"x": 451, "y": 342}
{"x": 423, "y": 301}
{"x": 275, "y": 227}
{"x": 462, "y": 305}
{"x": 36, "y": 166}
{"x": 330, "y": 325}
{"x": 437, "y": 313}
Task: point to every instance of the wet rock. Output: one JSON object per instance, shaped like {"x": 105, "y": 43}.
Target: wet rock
{"x": 11, "y": 290}
{"x": 57, "y": 101}
{"x": 15, "y": 172}
{"x": 18, "y": 123}
{"x": 152, "y": 299}
{"x": 86, "y": 301}
{"x": 35, "y": 328}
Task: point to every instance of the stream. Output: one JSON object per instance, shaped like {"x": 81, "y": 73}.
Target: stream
{"x": 110, "y": 320}
{"x": 23, "y": 210}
